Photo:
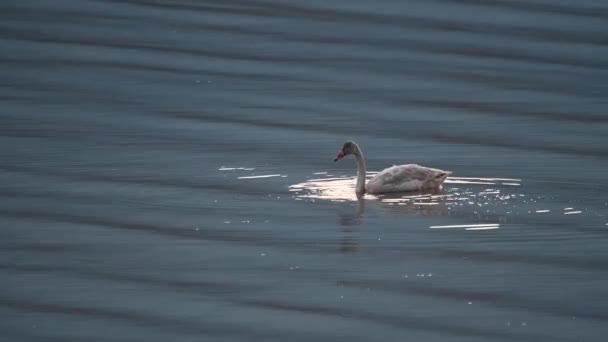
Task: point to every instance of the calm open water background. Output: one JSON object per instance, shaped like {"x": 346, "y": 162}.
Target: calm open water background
{"x": 133, "y": 133}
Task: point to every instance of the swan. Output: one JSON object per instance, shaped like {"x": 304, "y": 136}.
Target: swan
{"x": 397, "y": 178}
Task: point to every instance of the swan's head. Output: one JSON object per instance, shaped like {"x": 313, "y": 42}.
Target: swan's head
{"x": 348, "y": 148}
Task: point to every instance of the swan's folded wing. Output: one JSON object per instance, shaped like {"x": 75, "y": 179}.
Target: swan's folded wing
{"x": 403, "y": 173}
{"x": 403, "y": 178}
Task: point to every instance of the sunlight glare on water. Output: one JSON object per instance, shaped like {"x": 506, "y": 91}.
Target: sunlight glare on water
{"x": 343, "y": 189}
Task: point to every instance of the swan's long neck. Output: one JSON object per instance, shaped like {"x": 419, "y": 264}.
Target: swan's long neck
{"x": 361, "y": 172}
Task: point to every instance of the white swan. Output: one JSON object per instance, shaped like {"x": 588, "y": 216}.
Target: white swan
{"x": 398, "y": 178}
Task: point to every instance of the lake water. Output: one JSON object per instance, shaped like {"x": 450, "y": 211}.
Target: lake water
{"x": 167, "y": 170}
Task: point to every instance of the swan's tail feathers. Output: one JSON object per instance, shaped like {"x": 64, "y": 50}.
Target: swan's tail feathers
{"x": 443, "y": 175}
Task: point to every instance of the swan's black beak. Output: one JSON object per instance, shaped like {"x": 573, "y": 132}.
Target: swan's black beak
{"x": 339, "y": 156}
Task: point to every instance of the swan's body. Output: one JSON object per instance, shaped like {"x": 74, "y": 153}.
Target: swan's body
{"x": 398, "y": 178}
{"x": 408, "y": 177}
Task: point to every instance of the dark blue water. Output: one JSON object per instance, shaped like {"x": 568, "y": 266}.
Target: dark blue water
{"x": 167, "y": 170}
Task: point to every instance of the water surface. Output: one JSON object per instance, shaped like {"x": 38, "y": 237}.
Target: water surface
{"x": 167, "y": 170}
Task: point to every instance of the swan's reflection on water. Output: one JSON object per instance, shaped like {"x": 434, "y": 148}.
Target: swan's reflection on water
{"x": 426, "y": 203}
{"x": 460, "y": 196}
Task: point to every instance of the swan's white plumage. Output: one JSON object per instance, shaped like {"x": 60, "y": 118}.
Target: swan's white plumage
{"x": 408, "y": 177}
{"x": 397, "y": 178}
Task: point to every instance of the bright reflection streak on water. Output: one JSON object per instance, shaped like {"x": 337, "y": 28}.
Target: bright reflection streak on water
{"x": 469, "y": 226}
{"x": 483, "y": 228}
{"x": 260, "y": 176}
